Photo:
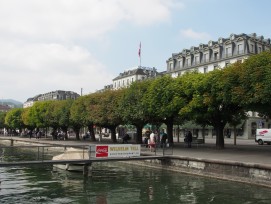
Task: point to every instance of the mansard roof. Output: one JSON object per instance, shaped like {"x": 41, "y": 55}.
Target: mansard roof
{"x": 135, "y": 71}
{"x": 221, "y": 41}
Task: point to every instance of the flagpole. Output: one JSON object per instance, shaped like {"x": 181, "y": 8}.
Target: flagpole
{"x": 139, "y": 54}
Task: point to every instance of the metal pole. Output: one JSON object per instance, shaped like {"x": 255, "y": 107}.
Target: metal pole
{"x": 38, "y": 153}
{"x": 42, "y": 153}
{"x": 89, "y": 152}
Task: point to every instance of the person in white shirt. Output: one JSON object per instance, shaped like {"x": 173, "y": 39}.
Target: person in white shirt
{"x": 152, "y": 141}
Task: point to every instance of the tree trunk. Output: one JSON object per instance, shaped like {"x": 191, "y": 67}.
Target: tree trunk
{"x": 65, "y": 130}
{"x": 139, "y": 133}
{"x": 77, "y": 133}
{"x": 235, "y": 135}
{"x": 113, "y": 134}
{"x": 91, "y": 131}
{"x": 219, "y": 127}
{"x": 178, "y": 134}
{"x": 169, "y": 123}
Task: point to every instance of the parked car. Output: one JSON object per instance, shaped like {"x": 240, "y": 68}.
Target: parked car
{"x": 263, "y": 136}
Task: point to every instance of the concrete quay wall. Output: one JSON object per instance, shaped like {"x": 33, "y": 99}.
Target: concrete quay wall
{"x": 226, "y": 170}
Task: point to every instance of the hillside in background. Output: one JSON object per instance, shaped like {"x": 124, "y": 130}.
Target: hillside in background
{"x": 11, "y": 102}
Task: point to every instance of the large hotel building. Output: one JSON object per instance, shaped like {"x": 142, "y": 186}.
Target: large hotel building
{"x": 221, "y": 53}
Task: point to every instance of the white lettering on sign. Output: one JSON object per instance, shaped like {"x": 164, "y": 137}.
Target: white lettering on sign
{"x": 124, "y": 150}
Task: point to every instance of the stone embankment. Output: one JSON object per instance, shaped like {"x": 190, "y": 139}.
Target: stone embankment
{"x": 246, "y": 162}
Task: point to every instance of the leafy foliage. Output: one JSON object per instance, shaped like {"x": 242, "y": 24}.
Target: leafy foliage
{"x": 13, "y": 119}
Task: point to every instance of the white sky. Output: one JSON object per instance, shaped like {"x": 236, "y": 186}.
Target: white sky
{"x": 49, "y": 45}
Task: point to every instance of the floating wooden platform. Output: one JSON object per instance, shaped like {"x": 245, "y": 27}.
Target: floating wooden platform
{"x": 83, "y": 161}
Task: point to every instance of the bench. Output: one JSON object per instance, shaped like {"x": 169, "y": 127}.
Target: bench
{"x": 198, "y": 141}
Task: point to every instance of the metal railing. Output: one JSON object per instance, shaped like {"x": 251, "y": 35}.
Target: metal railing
{"x": 157, "y": 149}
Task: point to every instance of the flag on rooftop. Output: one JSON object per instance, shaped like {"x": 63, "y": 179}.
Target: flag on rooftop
{"x": 139, "y": 50}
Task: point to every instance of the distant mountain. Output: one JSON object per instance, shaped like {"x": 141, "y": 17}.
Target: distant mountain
{"x": 11, "y": 102}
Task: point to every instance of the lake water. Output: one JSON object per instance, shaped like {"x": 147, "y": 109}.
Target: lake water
{"x": 117, "y": 183}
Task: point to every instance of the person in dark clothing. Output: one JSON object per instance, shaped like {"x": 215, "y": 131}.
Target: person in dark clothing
{"x": 125, "y": 138}
{"x": 189, "y": 139}
{"x": 30, "y": 134}
{"x": 163, "y": 139}
{"x": 145, "y": 141}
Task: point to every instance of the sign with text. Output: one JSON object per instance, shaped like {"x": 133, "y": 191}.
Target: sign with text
{"x": 124, "y": 150}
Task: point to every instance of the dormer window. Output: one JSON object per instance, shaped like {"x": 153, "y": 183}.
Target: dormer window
{"x": 196, "y": 60}
{"x": 210, "y": 43}
{"x": 228, "y": 51}
{"x": 187, "y": 62}
{"x": 180, "y": 63}
{"x": 170, "y": 65}
{"x": 240, "y": 49}
{"x": 216, "y": 56}
{"x": 206, "y": 57}
{"x": 252, "y": 48}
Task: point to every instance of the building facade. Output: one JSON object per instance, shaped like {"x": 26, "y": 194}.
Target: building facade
{"x": 51, "y": 96}
{"x": 4, "y": 108}
{"x": 221, "y": 53}
{"x": 134, "y": 74}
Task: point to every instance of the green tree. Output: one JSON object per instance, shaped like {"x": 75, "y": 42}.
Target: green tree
{"x": 14, "y": 120}
{"x": 2, "y": 120}
{"x": 164, "y": 101}
{"x": 40, "y": 113}
{"x": 254, "y": 86}
{"x": 105, "y": 111}
{"x": 29, "y": 124}
{"x": 132, "y": 108}
{"x": 89, "y": 103}
{"x": 78, "y": 115}
{"x": 61, "y": 114}
{"x": 212, "y": 102}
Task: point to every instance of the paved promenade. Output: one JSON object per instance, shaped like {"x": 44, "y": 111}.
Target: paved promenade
{"x": 246, "y": 151}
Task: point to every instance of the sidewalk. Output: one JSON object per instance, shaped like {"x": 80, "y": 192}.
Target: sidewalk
{"x": 246, "y": 151}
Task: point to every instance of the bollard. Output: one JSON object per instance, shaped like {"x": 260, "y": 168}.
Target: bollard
{"x": 87, "y": 169}
{"x": 11, "y": 142}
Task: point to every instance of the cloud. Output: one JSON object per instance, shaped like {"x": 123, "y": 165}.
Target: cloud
{"x": 69, "y": 19}
{"x": 48, "y": 67}
{"x": 189, "y": 33}
{"x": 44, "y": 42}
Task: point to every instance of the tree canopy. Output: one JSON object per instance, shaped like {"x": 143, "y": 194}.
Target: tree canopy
{"x": 220, "y": 97}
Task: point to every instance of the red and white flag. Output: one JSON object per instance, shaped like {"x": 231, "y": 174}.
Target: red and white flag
{"x": 139, "y": 50}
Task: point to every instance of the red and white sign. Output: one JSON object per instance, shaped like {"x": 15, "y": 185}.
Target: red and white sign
{"x": 125, "y": 150}
{"x": 101, "y": 150}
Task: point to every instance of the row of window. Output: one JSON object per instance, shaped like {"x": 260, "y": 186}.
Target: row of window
{"x": 206, "y": 68}
{"x": 56, "y": 97}
{"x": 211, "y": 56}
{"x": 121, "y": 83}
